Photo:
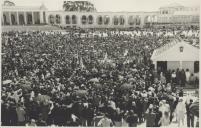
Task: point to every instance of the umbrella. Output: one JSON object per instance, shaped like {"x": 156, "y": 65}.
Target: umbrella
{"x": 94, "y": 80}
{"x": 126, "y": 86}
{"x": 26, "y": 86}
{"x": 7, "y": 82}
{"x": 81, "y": 92}
{"x": 194, "y": 108}
{"x": 42, "y": 98}
{"x": 131, "y": 80}
{"x": 97, "y": 85}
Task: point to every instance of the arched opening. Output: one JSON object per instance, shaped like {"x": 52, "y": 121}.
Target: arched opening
{"x": 155, "y": 19}
{"x": 100, "y": 20}
{"x": 131, "y": 20}
{"x": 74, "y": 19}
{"x": 67, "y": 19}
{"x": 58, "y": 19}
{"x": 138, "y": 20}
{"x": 84, "y": 19}
{"x": 115, "y": 20}
{"x": 121, "y": 20}
{"x": 13, "y": 19}
{"x": 90, "y": 19}
{"x": 21, "y": 19}
{"x": 51, "y": 19}
{"x": 29, "y": 19}
{"x": 106, "y": 20}
{"x": 4, "y": 19}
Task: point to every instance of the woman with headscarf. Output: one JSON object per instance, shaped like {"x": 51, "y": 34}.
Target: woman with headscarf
{"x": 180, "y": 112}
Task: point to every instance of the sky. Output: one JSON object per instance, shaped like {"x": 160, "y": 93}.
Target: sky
{"x": 112, "y": 5}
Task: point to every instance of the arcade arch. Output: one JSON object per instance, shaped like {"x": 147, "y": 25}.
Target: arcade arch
{"x": 67, "y": 19}
{"x": 58, "y": 19}
{"x": 74, "y": 19}
{"x": 51, "y": 19}
{"x": 90, "y": 19}
{"x": 84, "y": 19}
{"x": 100, "y": 20}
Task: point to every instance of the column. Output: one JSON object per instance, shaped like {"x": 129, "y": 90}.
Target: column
{"x": 9, "y": 15}
{"x": 142, "y": 21}
{"x": 25, "y": 18}
{"x": 180, "y": 64}
{"x": 41, "y": 17}
{"x": 33, "y": 21}
{"x": 17, "y": 18}
{"x": 2, "y": 19}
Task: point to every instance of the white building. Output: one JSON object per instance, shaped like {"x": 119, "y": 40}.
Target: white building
{"x": 178, "y": 14}
{"x": 177, "y": 54}
{"x": 27, "y": 15}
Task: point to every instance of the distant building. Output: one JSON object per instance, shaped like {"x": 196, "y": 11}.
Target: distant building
{"x": 178, "y": 14}
{"x": 172, "y": 14}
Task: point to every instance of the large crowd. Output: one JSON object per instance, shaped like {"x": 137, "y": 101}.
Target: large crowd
{"x": 91, "y": 78}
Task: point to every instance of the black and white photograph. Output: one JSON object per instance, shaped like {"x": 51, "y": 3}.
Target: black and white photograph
{"x": 100, "y": 63}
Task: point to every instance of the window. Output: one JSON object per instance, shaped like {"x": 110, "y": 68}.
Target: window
{"x": 51, "y": 19}
{"x": 106, "y": 20}
{"x": 67, "y": 19}
{"x": 115, "y": 20}
{"x": 58, "y": 19}
{"x": 90, "y": 19}
{"x": 131, "y": 20}
{"x": 84, "y": 19}
{"x": 196, "y": 66}
{"x": 100, "y": 20}
{"x": 121, "y": 20}
{"x": 74, "y": 19}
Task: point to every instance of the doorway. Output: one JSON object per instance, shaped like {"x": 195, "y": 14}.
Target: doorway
{"x": 162, "y": 66}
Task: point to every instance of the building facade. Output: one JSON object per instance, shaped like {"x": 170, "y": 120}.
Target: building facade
{"x": 172, "y": 14}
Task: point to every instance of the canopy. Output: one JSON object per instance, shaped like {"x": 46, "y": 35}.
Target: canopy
{"x": 126, "y": 86}
{"x": 42, "y": 98}
{"x": 94, "y": 80}
{"x": 81, "y": 92}
{"x": 172, "y": 52}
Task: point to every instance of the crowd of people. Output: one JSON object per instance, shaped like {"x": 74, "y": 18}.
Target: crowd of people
{"x": 90, "y": 78}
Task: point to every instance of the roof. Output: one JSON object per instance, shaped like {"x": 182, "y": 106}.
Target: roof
{"x": 172, "y": 5}
{"x": 171, "y": 52}
{"x": 186, "y": 13}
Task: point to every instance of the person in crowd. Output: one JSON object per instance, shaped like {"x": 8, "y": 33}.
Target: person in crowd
{"x": 180, "y": 112}
{"x": 190, "y": 116}
{"x": 150, "y": 117}
{"x": 132, "y": 119}
{"x": 187, "y": 75}
{"x": 105, "y": 121}
{"x": 173, "y": 77}
{"x": 165, "y": 120}
{"x": 32, "y": 123}
{"x": 118, "y": 117}
{"x": 183, "y": 78}
{"x": 20, "y": 114}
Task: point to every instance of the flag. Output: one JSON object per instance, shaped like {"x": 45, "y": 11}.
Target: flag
{"x": 81, "y": 63}
{"x": 126, "y": 52}
{"x": 105, "y": 58}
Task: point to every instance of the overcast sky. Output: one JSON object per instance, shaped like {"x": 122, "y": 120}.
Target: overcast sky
{"x": 112, "y": 5}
